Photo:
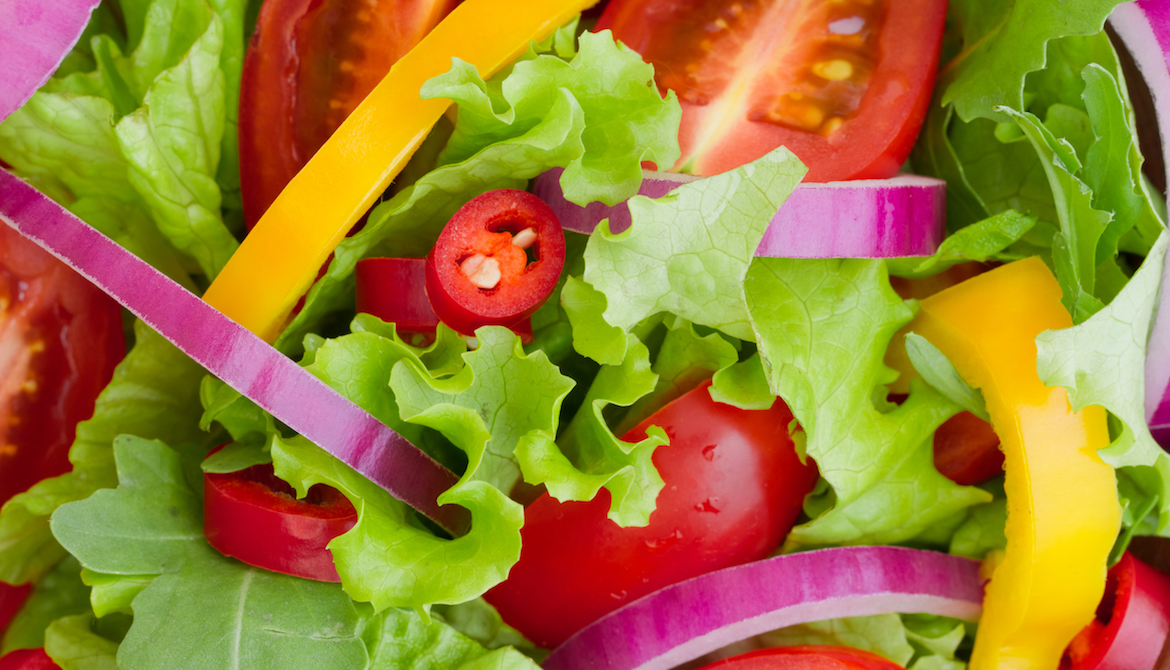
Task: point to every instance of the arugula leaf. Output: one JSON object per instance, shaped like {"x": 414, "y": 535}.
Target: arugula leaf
{"x": 823, "y": 327}
{"x": 60, "y": 593}
{"x": 934, "y": 367}
{"x": 982, "y": 531}
{"x": 1005, "y": 40}
{"x": 72, "y": 643}
{"x": 687, "y": 253}
{"x": 201, "y": 609}
{"x": 980, "y": 241}
{"x": 154, "y": 393}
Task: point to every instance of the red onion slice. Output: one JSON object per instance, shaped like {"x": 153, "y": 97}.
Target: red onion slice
{"x": 235, "y": 355}
{"x": 684, "y": 621}
{"x": 870, "y": 218}
{"x": 35, "y": 36}
{"x": 1144, "y": 26}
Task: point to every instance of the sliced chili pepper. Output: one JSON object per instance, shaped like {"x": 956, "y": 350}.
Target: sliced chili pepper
{"x": 1132, "y": 621}
{"x": 394, "y": 290}
{"x": 28, "y": 659}
{"x": 496, "y": 262}
{"x": 255, "y": 516}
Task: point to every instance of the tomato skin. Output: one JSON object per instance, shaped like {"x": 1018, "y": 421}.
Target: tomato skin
{"x": 60, "y": 339}
{"x": 873, "y": 141}
{"x": 805, "y": 657}
{"x": 966, "y": 450}
{"x": 733, "y": 488}
{"x": 254, "y": 516}
{"x": 27, "y": 659}
{"x": 394, "y": 290}
{"x": 310, "y": 63}
{"x": 486, "y": 226}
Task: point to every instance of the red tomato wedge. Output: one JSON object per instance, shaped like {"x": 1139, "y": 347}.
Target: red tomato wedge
{"x": 255, "y": 516}
{"x": 966, "y": 450}
{"x": 309, "y": 65}
{"x": 60, "y": 338}
{"x": 28, "y": 659}
{"x": 733, "y": 488}
{"x": 805, "y": 657}
{"x": 843, "y": 84}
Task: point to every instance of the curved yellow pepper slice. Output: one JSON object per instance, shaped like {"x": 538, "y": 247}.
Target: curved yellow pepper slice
{"x": 1063, "y": 514}
{"x": 279, "y": 259}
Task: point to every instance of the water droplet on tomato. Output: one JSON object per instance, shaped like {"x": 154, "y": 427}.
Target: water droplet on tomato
{"x": 618, "y": 596}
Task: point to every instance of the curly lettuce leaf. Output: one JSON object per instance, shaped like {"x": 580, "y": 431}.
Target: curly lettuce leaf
{"x": 1102, "y": 362}
{"x": 401, "y": 639}
{"x": 687, "y": 253}
{"x": 387, "y": 559}
{"x": 553, "y": 128}
{"x": 200, "y": 608}
{"x": 590, "y": 456}
{"x": 823, "y": 327}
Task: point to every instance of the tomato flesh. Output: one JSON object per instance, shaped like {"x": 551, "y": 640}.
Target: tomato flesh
{"x": 60, "y": 339}
{"x": 805, "y": 657}
{"x": 733, "y": 488}
{"x": 255, "y": 516}
{"x": 310, "y": 64}
{"x": 837, "y": 82}
{"x": 479, "y": 273}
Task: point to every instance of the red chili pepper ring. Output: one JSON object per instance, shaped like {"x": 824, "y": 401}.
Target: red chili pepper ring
{"x": 496, "y": 262}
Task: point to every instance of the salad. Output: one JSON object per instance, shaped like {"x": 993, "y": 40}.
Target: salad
{"x": 531, "y": 398}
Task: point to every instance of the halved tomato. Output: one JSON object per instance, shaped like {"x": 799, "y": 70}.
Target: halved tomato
{"x": 805, "y": 657}
{"x": 844, "y": 84}
{"x": 310, "y": 64}
{"x": 60, "y": 338}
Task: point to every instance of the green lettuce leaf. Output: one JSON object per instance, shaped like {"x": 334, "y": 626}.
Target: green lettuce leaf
{"x": 823, "y": 327}
{"x": 913, "y": 641}
{"x": 388, "y": 559}
{"x": 401, "y": 639}
{"x": 982, "y": 531}
{"x": 201, "y": 609}
{"x": 687, "y": 253}
{"x": 73, "y": 644}
{"x": 1102, "y": 362}
{"x": 981, "y": 241}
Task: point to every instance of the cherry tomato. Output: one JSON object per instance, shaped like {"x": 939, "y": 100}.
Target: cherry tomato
{"x": 255, "y": 516}
{"x": 805, "y": 657}
{"x": 1131, "y": 625}
{"x": 734, "y": 487}
{"x": 60, "y": 338}
{"x": 496, "y": 262}
{"x": 310, "y": 64}
{"x": 27, "y": 659}
{"x": 844, "y": 85}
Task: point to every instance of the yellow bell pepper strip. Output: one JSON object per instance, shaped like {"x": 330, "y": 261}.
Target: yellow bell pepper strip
{"x": 1063, "y": 513}
{"x": 279, "y": 259}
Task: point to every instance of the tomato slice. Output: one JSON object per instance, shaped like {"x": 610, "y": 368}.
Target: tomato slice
{"x": 309, "y": 65}
{"x": 28, "y": 659}
{"x": 966, "y": 450}
{"x": 60, "y": 338}
{"x": 805, "y": 657}
{"x": 734, "y": 487}
{"x": 254, "y": 516}
{"x": 496, "y": 262}
{"x": 844, "y": 84}
{"x": 11, "y": 598}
